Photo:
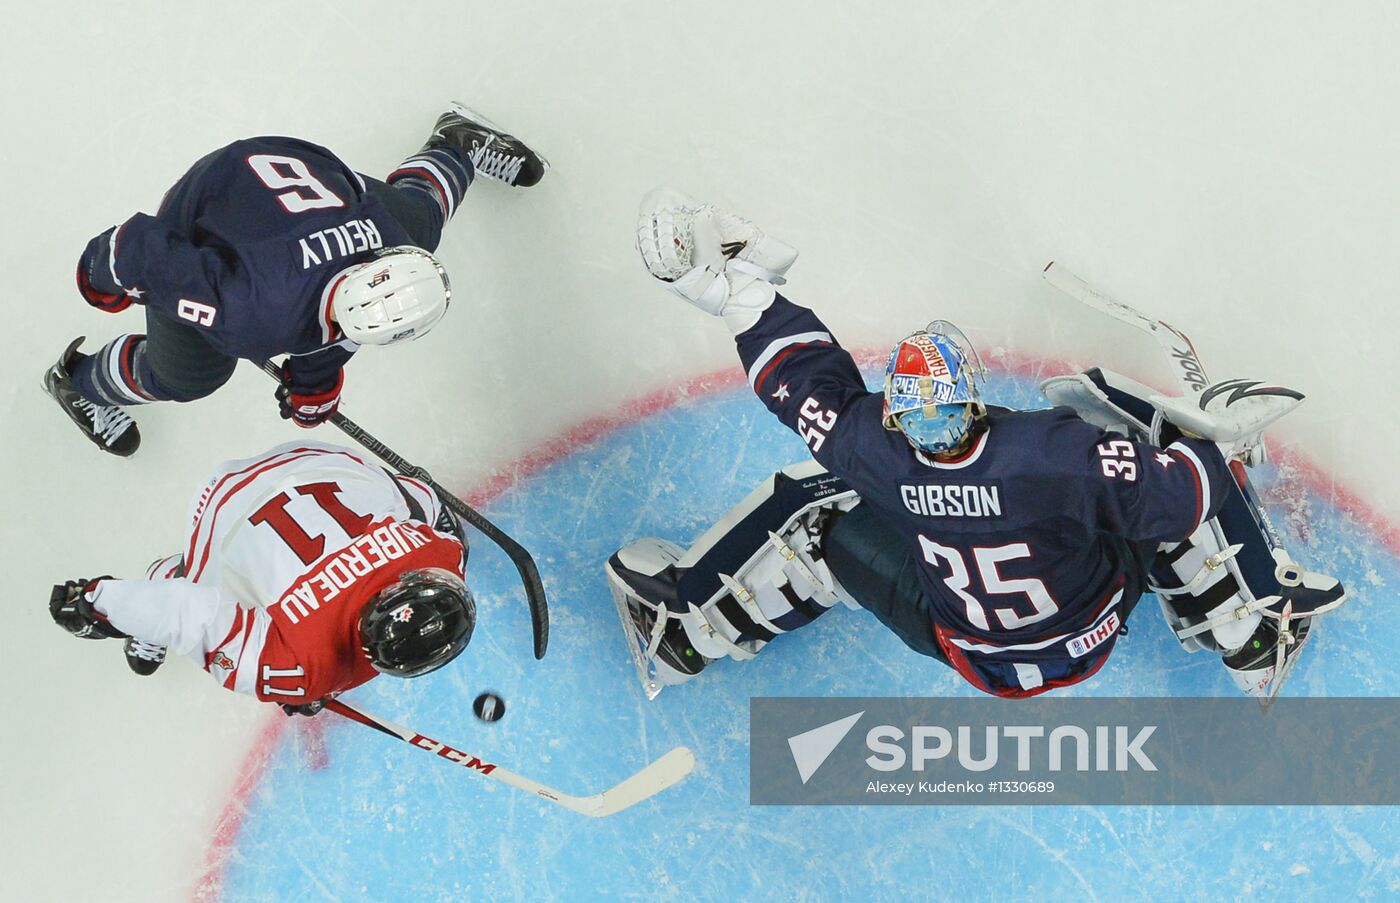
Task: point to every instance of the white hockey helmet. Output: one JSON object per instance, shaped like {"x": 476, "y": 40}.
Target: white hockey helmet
{"x": 398, "y": 295}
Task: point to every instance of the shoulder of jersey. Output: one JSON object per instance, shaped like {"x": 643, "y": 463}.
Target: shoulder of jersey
{"x": 1055, "y": 433}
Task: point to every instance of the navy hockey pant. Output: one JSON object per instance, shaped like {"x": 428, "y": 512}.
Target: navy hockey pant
{"x": 874, "y": 566}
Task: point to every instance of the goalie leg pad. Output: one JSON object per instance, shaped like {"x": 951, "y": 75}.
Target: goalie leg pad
{"x": 757, "y": 573}
{"x": 1233, "y": 589}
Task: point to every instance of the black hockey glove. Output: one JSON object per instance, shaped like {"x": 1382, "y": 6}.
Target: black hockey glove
{"x": 447, "y": 522}
{"x": 308, "y": 407}
{"x": 70, "y": 609}
{"x": 306, "y": 708}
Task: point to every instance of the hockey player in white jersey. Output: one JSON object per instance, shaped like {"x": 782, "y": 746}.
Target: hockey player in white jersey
{"x": 307, "y": 571}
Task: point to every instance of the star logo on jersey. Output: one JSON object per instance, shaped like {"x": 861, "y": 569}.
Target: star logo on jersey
{"x": 1165, "y": 459}
{"x": 403, "y": 615}
{"x": 782, "y": 394}
{"x": 136, "y": 292}
{"x": 222, "y": 661}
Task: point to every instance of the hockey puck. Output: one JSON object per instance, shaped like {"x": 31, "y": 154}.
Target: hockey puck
{"x": 489, "y": 707}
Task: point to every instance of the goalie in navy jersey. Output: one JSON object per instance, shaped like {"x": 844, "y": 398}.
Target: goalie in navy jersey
{"x": 1010, "y": 545}
{"x": 275, "y": 246}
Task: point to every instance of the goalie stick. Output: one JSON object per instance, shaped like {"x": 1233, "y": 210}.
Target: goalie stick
{"x": 665, "y": 772}
{"x": 1190, "y": 374}
{"x": 1187, "y": 367}
{"x": 519, "y": 556}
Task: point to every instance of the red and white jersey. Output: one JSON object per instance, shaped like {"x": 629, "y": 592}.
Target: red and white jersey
{"x": 283, "y": 552}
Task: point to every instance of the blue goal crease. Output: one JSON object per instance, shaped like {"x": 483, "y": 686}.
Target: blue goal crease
{"x": 385, "y": 822}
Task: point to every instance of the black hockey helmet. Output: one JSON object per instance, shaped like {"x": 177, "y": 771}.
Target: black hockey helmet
{"x": 418, "y": 623}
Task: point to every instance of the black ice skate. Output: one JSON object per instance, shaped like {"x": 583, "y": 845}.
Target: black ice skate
{"x": 142, "y": 657}
{"x": 642, "y": 575}
{"x": 108, "y": 426}
{"x": 495, "y": 154}
{"x": 1261, "y": 666}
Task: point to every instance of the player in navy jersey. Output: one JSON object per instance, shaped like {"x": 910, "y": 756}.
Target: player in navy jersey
{"x": 1011, "y": 545}
{"x": 275, "y": 246}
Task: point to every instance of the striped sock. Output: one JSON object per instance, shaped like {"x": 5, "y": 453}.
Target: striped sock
{"x": 441, "y": 172}
{"x": 113, "y": 375}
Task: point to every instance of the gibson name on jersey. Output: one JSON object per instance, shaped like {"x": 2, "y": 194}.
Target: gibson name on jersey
{"x": 952, "y": 500}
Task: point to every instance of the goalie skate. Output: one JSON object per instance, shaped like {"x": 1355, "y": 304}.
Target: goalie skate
{"x": 1262, "y": 666}
{"x": 640, "y": 576}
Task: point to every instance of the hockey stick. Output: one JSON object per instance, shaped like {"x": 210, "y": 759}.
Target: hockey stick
{"x": 656, "y": 777}
{"x": 519, "y": 556}
{"x": 1188, "y": 369}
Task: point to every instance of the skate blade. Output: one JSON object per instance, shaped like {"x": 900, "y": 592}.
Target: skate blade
{"x": 646, "y": 671}
{"x": 1267, "y": 702}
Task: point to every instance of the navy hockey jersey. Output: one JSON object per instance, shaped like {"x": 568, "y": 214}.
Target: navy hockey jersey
{"x": 246, "y": 247}
{"x": 1026, "y": 541}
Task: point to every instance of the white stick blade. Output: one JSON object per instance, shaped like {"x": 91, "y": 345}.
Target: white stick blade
{"x": 666, "y": 771}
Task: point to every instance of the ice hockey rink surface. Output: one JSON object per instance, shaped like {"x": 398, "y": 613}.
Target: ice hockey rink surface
{"x": 1227, "y": 167}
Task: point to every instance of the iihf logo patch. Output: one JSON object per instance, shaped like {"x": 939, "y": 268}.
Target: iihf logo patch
{"x": 379, "y": 278}
{"x": 403, "y": 615}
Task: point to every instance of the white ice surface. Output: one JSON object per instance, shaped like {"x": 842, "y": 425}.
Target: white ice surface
{"x": 1230, "y": 167}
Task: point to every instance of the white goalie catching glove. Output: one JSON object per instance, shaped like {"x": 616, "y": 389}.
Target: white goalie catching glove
{"x": 719, "y": 262}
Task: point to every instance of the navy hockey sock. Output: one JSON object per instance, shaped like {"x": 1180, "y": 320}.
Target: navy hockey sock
{"x": 442, "y": 174}
{"x": 119, "y": 374}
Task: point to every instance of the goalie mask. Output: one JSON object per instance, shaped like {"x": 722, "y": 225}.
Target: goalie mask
{"x": 396, "y": 296}
{"x": 417, "y": 624}
{"x": 933, "y": 391}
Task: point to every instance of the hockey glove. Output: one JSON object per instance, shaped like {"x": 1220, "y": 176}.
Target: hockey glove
{"x": 721, "y": 263}
{"x": 306, "y": 708}
{"x": 447, "y": 522}
{"x": 1232, "y": 413}
{"x": 308, "y": 407}
{"x": 70, "y": 609}
{"x": 96, "y": 282}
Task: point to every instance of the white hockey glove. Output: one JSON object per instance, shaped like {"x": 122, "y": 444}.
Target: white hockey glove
{"x": 721, "y": 263}
{"x": 1232, "y": 414}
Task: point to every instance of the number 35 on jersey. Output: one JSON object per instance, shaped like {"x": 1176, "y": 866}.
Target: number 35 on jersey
{"x": 815, "y": 423}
